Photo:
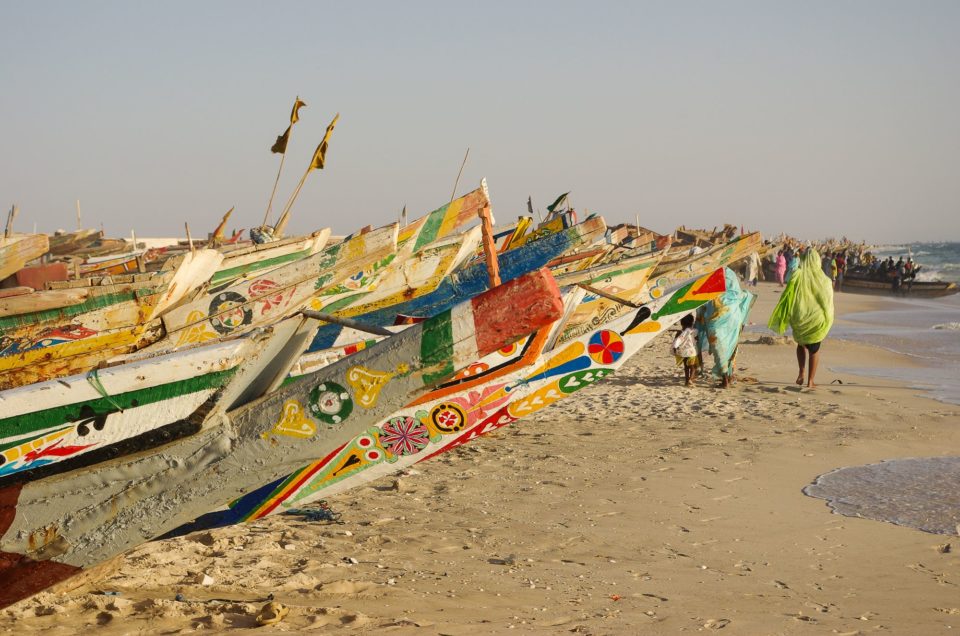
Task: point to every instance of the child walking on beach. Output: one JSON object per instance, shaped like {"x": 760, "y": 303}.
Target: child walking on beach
{"x": 685, "y": 349}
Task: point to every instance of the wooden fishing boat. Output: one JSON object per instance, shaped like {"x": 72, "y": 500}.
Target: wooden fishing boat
{"x": 663, "y": 280}
{"x": 117, "y": 265}
{"x": 17, "y": 250}
{"x": 426, "y": 253}
{"x": 53, "y": 528}
{"x": 509, "y": 384}
{"x": 472, "y": 279}
{"x": 251, "y": 260}
{"x": 909, "y": 289}
{"x": 62, "y": 244}
{"x": 61, "y": 332}
{"x": 59, "y": 425}
{"x": 604, "y": 284}
{"x": 246, "y": 304}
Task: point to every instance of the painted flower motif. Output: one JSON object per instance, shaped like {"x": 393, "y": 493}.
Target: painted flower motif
{"x": 605, "y": 347}
{"x": 404, "y": 436}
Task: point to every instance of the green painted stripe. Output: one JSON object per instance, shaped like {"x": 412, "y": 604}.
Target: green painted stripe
{"x": 431, "y": 227}
{"x": 436, "y": 347}
{"x": 64, "y": 313}
{"x": 235, "y": 272}
{"x": 39, "y": 420}
{"x": 620, "y": 272}
{"x": 340, "y": 303}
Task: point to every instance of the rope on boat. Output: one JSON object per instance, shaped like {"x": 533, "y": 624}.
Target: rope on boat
{"x": 323, "y": 513}
{"x": 94, "y": 379}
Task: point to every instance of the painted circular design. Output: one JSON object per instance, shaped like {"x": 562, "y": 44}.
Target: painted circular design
{"x": 404, "y": 436}
{"x": 228, "y": 313}
{"x": 509, "y": 350}
{"x": 605, "y": 347}
{"x": 373, "y": 455}
{"x": 448, "y": 417}
{"x": 365, "y": 442}
{"x": 330, "y": 403}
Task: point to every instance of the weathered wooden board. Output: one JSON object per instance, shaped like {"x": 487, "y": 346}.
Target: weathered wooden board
{"x": 409, "y": 278}
{"x": 499, "y": 389}
{"x": 18, "y": 250}
{"x": 414, "y": 242}
{"x": 249, "y": 303}
{"x": 52, "y": 528}
{"x": 73, "y": 338}
{"x": 253, "y": 260}
{"x": 472, "y": 279}
{"x": 69, "y": 242}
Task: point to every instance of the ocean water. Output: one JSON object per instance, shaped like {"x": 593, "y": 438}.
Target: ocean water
{"x": 916, "y": 492}
{"x": 941, "y": 261}
{"x": 925, "y": 329}
{"x": 920, "y": 492}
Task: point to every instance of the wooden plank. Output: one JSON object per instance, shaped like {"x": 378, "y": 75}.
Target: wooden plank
{"x": 19, "y": 249}
{"x": 52, "y": 529}
{"x": 247, "y": 304}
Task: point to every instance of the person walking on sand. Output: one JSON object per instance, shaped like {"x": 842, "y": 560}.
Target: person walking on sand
{"x": 793, "y": 262}
{"x": 723, "y": 319}
{"x": 806, "y": 306}
{"x": 754, "y": 267}
{"x": 781, "y": 267}
{"x": 685, "y": 349}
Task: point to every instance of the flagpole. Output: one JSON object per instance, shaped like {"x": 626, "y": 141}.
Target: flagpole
{"x": 285, "y": 216}
{"x": 283, "y": 157}
{"x": 457, "y": 182}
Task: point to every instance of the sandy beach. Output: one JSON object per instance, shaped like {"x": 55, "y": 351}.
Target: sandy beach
{"x": 636, "y": 506}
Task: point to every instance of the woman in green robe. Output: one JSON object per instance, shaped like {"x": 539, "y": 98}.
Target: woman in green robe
{"x": 806, "y": 306}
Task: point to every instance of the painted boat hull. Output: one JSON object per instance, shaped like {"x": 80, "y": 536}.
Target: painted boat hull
{"x": 499, "y": 389}
{"x": 54, "y": 528}
{"x": 917, "y": 289}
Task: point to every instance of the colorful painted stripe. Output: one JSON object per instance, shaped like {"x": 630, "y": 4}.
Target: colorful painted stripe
{"x": 19, "y": 425}
{"x": 64, "y": 313}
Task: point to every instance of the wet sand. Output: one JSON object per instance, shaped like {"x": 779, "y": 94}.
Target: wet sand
{"x": 636, "y": 506}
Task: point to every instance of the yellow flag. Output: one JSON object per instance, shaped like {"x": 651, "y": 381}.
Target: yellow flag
{"x": 319, "y": 157}
{"x": 280, "y": 145}
{"x": 295, "y": 114}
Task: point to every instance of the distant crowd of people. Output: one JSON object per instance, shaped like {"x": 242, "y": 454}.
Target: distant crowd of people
{"x": 899, "y": 274}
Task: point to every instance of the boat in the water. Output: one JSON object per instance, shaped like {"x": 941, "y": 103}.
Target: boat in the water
{"x": 910, "y": 288}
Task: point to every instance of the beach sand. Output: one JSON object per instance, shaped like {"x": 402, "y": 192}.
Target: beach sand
{"x": 636, "y": 506}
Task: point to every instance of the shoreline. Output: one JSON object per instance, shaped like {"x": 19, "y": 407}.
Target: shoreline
{"x": 638, "y": 505}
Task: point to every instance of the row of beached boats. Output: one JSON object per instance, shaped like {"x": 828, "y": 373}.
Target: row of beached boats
{"x": 216, "y": 384}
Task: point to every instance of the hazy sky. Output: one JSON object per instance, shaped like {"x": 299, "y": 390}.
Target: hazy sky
{"x": 815, "y": 118}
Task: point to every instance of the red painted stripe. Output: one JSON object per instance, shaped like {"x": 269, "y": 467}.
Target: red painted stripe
{"x": 263, "y": 512}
